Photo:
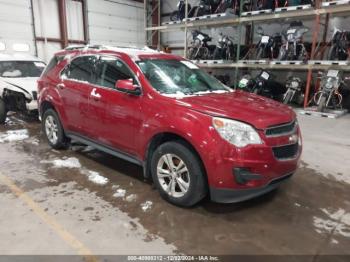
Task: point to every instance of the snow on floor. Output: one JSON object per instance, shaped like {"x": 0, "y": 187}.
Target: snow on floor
{"x": 146, "y": 205}
{"x": 95, "y": 177}
{"x": 120, "y": 193}
{"x": 337, "y": 221}
{"x": 14, "y": 135}
{"x": 71, "y": 162}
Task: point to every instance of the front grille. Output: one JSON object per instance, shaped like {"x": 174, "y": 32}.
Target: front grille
{"x": 286, "y": 152}
{"x": 35, "y": 95}
{"x": 281, "y": 129}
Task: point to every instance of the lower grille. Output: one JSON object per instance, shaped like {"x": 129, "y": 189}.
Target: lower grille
{"x": 286, "y": 152}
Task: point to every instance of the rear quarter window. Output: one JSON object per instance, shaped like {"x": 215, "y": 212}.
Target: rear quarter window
{"x": 51, "y": 65}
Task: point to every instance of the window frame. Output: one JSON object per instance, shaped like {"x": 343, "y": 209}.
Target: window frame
{"x": 128, "y": 67}
{"x": 67, "y": 66}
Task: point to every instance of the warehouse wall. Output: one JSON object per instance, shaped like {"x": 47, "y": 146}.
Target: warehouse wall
{"x": 16, "y": 24}
{"x": 116, "y": 22}
{"x": 112, "y": 22}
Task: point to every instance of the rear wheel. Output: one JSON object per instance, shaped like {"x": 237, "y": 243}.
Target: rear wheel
{"x": 3, "y": 111}
{"x": 53, "y": 130}
{"x": 178, "y": 174}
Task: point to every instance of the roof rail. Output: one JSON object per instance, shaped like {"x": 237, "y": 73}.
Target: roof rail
{"x": 81, "y": 47}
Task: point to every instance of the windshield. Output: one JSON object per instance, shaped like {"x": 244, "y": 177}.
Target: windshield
{"x": 175, "y": 77}
{"x": 21, "y": 68}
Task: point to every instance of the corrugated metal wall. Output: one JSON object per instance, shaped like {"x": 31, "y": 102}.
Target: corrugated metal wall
{"x": 112, "y": 22}
{"x": 16, "y": 24}
{"x": 116, "y": 22}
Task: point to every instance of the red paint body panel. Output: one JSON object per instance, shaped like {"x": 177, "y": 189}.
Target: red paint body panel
{"x": 128, "y": 123}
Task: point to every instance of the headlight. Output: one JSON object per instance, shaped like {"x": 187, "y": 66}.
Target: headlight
{"x": 235, "y": 132}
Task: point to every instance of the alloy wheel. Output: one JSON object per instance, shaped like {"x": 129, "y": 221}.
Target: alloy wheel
{"x": 51, "y": 129}
{"x": 173, "y": 175}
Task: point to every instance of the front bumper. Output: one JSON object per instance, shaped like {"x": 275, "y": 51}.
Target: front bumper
{"x": 33, "y": 105}
{"x": 221, "y": 195}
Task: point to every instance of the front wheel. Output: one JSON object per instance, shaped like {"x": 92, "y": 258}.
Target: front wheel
{"x": 174, "y": 16}
{"x": 332, "y": 53}
{"x": 322, "y": 104}
{"x": 288, "y": 97}
{"x": 3, "y": 112}
{"x": 178, "y": 174}
{"x": 53, "y": 130}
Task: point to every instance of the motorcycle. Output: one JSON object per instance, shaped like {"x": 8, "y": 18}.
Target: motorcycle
{"x": 200, "y": 48}
{"x": 329, "y": 95}
{"x": 180, "y": 13}
{"x": 294, "y": 48}
{"x": 294, "y": 92}
{"x": 224, "y": 49}
{"x": 263, "y": 84}
{"x": 340, "y": 48}
{"x": 204, "y": 8}
{"x": 268, "y": 46}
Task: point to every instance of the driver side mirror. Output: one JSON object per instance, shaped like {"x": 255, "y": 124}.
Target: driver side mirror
{"x": 127, "y": 86}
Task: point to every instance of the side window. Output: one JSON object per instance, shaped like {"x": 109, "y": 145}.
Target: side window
{"x": 82, "y": 69}
{"x": 110, "y": 70}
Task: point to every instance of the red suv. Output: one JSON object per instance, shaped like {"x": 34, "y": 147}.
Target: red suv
{"x": 191, "y": 134}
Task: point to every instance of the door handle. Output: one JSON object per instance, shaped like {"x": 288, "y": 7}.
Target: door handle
{"x": 95, "y": 95}
{"x": 61, "y": 86}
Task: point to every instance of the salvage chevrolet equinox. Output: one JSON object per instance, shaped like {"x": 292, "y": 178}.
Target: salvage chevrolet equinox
{"x": 192, "y": 135}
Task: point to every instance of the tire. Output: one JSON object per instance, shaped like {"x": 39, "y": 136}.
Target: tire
{"x": 287, "y": 98}
{"x": 321, "y": 106}
{"x": 3, "y": 112}
{"x": 174, "y": 16}
{"x": 53, "y": 130}
{"x": 217, "y": 54}
{"x": 259, "y": 53}
{"x": 193, "y": 180}
{"x": 332, "y": 53}
{"x": 282, "y": 54}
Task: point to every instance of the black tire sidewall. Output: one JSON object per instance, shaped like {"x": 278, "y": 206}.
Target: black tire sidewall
{"x": 197, "y": 189}
{"x": 62, "y": 140}
{"x": 3, "y": 111}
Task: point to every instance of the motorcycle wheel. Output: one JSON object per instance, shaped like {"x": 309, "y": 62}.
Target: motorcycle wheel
{"x": 258, "y": 53}
{"x": 322, "y": 104}
{"x": 282, "y": 54}
{"x": 217, "y": 54}
{"x": 2, "y": 111}
{"x": 287, "y": 99}
{"x": 332, "y": 53}
{"x": 190, "y": 53}
{"x": 174, "y": 16}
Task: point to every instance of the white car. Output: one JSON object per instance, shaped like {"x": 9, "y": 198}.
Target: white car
{"x": 18, "y": 83}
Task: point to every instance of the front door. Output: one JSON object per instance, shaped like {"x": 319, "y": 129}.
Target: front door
{"x": 114, "y": 116}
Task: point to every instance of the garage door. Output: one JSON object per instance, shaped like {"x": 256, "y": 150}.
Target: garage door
{"x": 16, "y": 30}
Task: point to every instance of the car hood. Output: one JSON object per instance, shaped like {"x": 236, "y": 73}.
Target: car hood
{"x": 28, "y": 84}
{"x": 258, "y": 111}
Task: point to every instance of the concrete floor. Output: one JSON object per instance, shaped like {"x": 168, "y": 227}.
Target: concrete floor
{"x": 48, "y": 207}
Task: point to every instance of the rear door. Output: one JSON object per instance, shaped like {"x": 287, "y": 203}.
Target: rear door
{"x": 75, "y": 89}
{"x": 114, "y": 116}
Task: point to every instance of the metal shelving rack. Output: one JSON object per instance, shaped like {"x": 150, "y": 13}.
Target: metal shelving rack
{"x": 313, "y": 13}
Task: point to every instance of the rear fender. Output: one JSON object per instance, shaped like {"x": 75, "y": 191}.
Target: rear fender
{"x": 52, "y": 96}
